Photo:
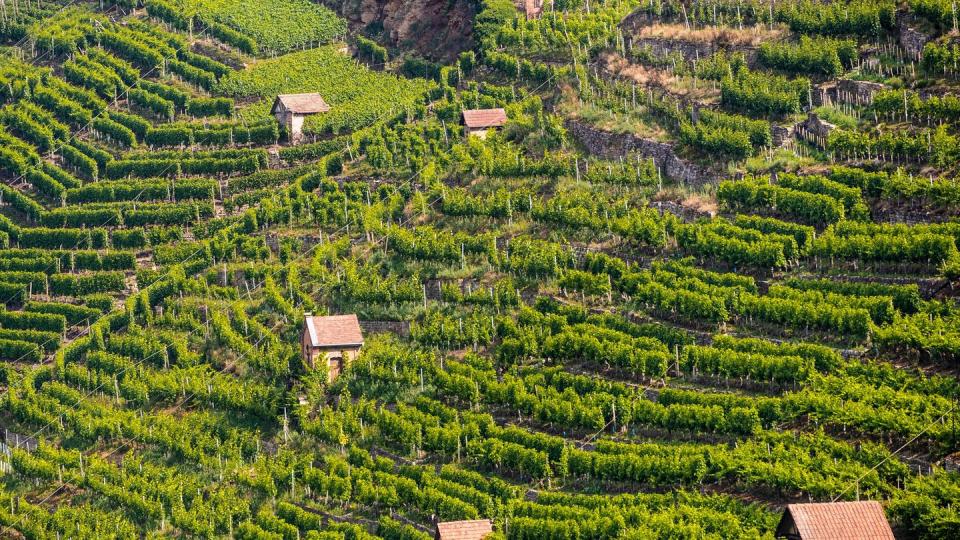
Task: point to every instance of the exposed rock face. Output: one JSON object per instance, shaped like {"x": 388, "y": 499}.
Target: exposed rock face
{"x": 634, "y": 21}
{"x": 779, "y": 135}
{"x": 911, "y": 39}
{"x": 437, "y": 29}
{"x": 610, "y": 145}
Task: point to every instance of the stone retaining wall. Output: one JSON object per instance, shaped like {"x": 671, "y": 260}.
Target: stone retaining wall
{"x": 911, "y": 39}
{"x": 692, "y": 50}
{"x": 846, "y": 91}
{"x": 609, "y": 145}
{"x": 400, "y": 328}
{"x": 814, "y": 130}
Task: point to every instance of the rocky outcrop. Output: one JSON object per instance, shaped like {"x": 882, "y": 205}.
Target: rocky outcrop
{"x": 611, "y": 145}
{"x": 911, "y": 39}
{"x": 779, "y": 135}
{"x": 636, "y": 20}
{"x": 436, "y": 29}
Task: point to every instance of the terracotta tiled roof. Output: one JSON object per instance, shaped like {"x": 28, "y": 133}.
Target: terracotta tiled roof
{"x": 484, "y": 118}
{"x": 301, "y": 103}
{"x": 334, "y": 331}
{"x": 464, "y": 530}
{"x": 862, "y": 520}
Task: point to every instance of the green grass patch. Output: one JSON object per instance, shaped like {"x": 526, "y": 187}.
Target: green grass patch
{"x": 357, "y": 96}
{"x": 278, "y": 26}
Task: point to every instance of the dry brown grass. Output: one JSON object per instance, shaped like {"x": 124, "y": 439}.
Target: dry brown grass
{"x": 570, "y": 106}
{"x": 643, "y": 75}
{"x": 685, "y": 87}
{"x": 816, "y": 169}
{"x": 700, "y": 203}
{"x": 669, "y": 194}
{"x": 696, "y": 202}
{"x": 751, "y": 36}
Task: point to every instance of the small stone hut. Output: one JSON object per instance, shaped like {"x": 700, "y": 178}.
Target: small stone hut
{"x": 478, "y": 121}
{"x": 333, "y": 340}
{"x": 291, "y": 110}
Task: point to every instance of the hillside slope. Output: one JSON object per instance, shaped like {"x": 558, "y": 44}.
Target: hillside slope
{"x": 438, "y": 29}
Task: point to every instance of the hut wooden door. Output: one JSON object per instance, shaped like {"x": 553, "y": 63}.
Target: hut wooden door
{"x": 334, "y": 367}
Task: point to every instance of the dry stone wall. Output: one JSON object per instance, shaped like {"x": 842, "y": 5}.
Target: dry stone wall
{"x": 400, "y": 328}
{"x": 911, "y": 39}
{"x": 611, "y": 145}
{"x": 693, "y": 50}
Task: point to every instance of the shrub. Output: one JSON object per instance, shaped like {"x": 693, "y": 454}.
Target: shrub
{"x": 210, "y": 107}
{"x": 74, "y": 314}
{"x": 114, "y": 131}
{"x": 22, "y": 320}
{"x": 19, "y": 351}
{"x": 12, "y": 293}
{"x": 83, "y": 284}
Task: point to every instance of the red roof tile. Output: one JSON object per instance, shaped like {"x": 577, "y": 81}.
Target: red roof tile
{"x": 464, "y": 530}
{"x": 334, "y": 331}
{"x": 861, "y": 520}
{"x": 301, "y": 103}
{"x": 484, "y": 118}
